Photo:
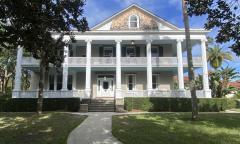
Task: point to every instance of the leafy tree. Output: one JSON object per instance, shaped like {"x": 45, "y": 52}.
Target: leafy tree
{"x": 7, "y": 67}
{"x": 216, "y": 56}
{"x": 31, "y": 25}
{"x": 190, "y": 61}
{"x": 219, "y": 81}
{"x": 223, "y": 14}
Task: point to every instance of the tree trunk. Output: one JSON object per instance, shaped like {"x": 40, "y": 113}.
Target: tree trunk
{"x": 41, "y": 85}
{"x": 190, "y": 61}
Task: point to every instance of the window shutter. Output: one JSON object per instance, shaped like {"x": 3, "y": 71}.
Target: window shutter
{"x": 160, "y": 51}
{"x": 124, "y": 51}
{"x": 114, "y": 51}
{"x": 101, "y": 51}
{"x": 137, "y": 51}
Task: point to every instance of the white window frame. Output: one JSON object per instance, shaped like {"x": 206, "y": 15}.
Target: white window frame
{"x": 129, "y": 21}
{"x": 107, "y": 48}
{"x": 131, "y": 47}
{"x": 157, "y": 82}
{"x": 134, "y": 81}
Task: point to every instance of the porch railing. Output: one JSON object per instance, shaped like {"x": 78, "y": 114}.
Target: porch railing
{"x": 164, "y": 61}
{"x": 126, "y": 61}
{"x": 50, "y": 94}
{"x": 161, "y": 93}
{"x": 134, "y": 61}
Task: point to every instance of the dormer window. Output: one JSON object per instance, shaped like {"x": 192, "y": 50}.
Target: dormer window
{"x": 133, "y": 21}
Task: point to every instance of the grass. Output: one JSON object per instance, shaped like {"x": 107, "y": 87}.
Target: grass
{"x": 30, "y": 128}
{"x": 177, "y": 128}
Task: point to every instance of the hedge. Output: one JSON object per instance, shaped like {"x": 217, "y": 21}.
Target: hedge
{"x": 178, "y": 104}
{"x": 30, "y": 104}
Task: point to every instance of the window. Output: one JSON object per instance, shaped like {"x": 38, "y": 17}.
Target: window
{"x": 70, "y": 81}
{"x": 131, "y": 51}
{"x": 51, "y": 82}
{"x": 105, "y": 85}
{"x": 131, "y": 82}
{"x": 155, "y": 52}
{"x": 59, "y": 82}
{"x": 133, "y": 21}
{"x": 155, "y": 81}
{"x": 108, "y": 52}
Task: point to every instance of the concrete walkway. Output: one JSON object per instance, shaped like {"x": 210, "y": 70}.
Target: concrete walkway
{"x": 95, "y": 129}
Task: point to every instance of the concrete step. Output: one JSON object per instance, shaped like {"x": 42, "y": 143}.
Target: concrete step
{"x": 99, "y": 110}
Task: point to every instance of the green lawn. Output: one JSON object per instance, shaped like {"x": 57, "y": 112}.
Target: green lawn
{"x": 177, "y": 128}
{"x": 29, "y": 128}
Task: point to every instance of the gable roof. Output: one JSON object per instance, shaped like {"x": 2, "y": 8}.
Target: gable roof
{"x": 137, "y": 6}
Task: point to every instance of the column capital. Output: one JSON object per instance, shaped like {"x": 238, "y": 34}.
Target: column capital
{"x": 88, "y": 40}
{"x": 204, "y": 40}
{"x": 179, "y": 40}
{"x": 149, "y": 40}
{"x": 118, "y": 40}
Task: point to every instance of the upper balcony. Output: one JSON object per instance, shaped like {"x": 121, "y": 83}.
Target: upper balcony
{"x": 125, "y": 62}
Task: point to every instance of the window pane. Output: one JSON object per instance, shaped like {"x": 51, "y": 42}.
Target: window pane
{"x": 154, "y": 79}
{"x": 130, "y": 79}
{"x": 59, "y": 82}
{"x": 51, "y": 82}
{"x": 133, "y": 18}
{"x": 70, "y": 80}
{"x": 105, "y": 85}
{"x": 154, "y": 86}
{"x": 133, "y": 24}
{"x": 130, "y": 86}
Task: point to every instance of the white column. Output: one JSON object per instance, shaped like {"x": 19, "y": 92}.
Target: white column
{"x": 180, "y": 65}
{"x": 18, "y": 75}
{"x": 65, "y": 69}
{"x": 149, "y": 66}
{"x": 206, "y": 90}
{"x": 118, "y": 69}
{"x": 88, "y": 69}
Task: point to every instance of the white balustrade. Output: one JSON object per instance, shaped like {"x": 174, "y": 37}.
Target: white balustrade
{"x": 103, "y": 61}
{"x": 134, "y": 61}
{"x": 161, "y": 93}
{"x": 164, "y": 61}
{"x": 197, "y": 61}
{"x": 125, "y": 61}
{"x": 52, "y": 94}
{"x": 77, "y": 61}
{"x": 30, "y": 61}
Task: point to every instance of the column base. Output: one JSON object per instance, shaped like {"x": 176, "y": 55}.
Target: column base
{"x": 207, "y": 93}
{"x": 181, "y": 93}
{"x": 118, "y": 94}
{"x": 119, "y": 105}
{"x": 149, "y": 92}
{"x": 15, "y": 94}
{"x": 87, "y": 93}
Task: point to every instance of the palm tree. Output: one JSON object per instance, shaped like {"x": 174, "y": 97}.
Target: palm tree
{"x": 216, "y": 56}
{"x": 190, "y": 61}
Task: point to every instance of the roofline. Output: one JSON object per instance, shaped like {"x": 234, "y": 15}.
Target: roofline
{"x": 181, "y": 31}
{"x": 132, "y": 5}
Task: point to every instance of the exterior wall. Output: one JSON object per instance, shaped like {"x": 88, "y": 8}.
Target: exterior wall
{"x": 146, "y": 22}
{"x": 80, "y": 80}
{"x": 34, "y": 81}
{"x": 165, "y": 81}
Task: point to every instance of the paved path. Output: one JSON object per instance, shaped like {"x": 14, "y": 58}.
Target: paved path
{"x": 95, "y": 129}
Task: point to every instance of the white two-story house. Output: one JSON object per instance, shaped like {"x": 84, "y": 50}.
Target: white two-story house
{"x": 134, "y": 53}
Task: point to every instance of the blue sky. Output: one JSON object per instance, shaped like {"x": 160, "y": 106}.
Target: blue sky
{"x": 98, "y": 10}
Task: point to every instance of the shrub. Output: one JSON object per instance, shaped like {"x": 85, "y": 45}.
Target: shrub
{"x": 30, "y": 104}
{"x": 178, "y": 104}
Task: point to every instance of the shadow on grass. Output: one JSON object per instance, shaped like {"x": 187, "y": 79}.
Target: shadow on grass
{"x": 177, "y": 129}
{"x": 24, "y": 128}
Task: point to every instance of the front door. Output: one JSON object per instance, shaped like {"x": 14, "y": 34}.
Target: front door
{"x": 105, "y": 87}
